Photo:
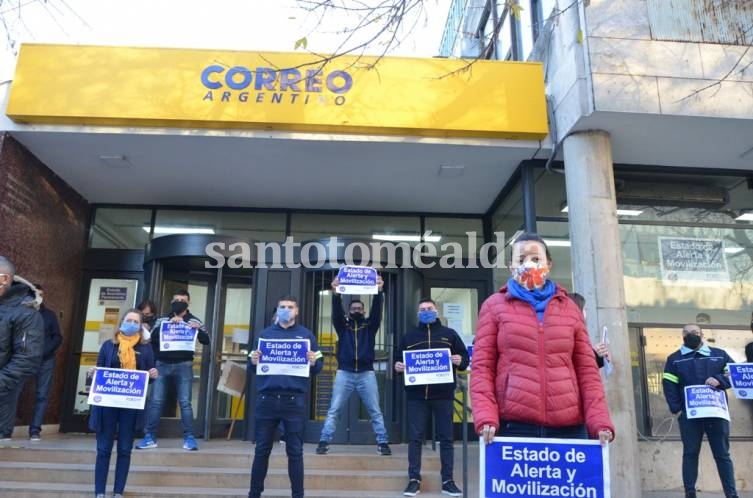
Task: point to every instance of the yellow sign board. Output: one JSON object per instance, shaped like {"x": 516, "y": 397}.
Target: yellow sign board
{"x": 182, "y": 88}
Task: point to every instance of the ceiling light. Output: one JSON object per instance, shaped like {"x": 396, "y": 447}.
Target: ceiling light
{"x": 447, "y": 171}
{"x": 115, "y": 161}
{"x": 172, "y": 230}
{"x": 405, "y": 238}
{"x": 733, "y": 250}
{"x": 620, "y": 212}
{"x": 557, "y": 242}
{"x": 745, "y": 217}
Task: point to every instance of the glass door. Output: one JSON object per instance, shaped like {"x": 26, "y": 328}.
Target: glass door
{"x": 107, "y": 299}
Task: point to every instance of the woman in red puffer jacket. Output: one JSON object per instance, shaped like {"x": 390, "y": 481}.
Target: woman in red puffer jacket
{"x": 534, "y": 372}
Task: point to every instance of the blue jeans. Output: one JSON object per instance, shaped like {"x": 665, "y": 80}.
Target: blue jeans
{"x": 182, "y": 375}
{"x": 271, "y": 409}
{"x": 44, "y": 380}
{"x": 122, "y": 421}
{"x": 521, "y": 429}
{"x": 717, "y": 430}
{"x": 366, "y": 385}
{"x": 418, "y": 413}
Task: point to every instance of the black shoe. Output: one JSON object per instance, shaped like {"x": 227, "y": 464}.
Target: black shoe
{"x": 449, "y": 488}
{"x": 413, "y": 488}
{"x": 322, "y": 448}
{"x": 384, "y": 449}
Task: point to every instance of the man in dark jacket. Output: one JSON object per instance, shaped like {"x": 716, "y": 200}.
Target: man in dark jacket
{"x": 436, "y": 399}
{"x": 177, "y": 367}
{"x": 21, "y": 341}
{"x": 695, "y": 363}
{"x": 749, "y": 346}
{"x": 52, "y": 340}
{"x": 282, "y": 399}
{"x": 356, "y": 337}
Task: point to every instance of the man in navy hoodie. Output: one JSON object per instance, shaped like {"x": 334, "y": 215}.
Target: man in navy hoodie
{"x": 282, "y": 398}
{"x": 436, "y": 399}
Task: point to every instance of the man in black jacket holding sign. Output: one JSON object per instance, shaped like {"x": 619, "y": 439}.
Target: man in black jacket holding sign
{"x": 695, "y": 363}
{"x": 436, "y": 399}
{"x": 282, "y": 399}
{"x": 177, "y": 367}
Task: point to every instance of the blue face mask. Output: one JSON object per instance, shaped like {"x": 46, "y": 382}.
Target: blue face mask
{"x": 129, "y": 328}
{"x": 427, "y": 316}
{"x": 284, "y": 315}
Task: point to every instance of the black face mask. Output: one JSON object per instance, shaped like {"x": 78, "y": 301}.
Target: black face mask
{"x": 178, "y": 307}
{"x": 357, "y": 316}
{"x": 692, "y": 341}
{"x": 149, "y": 320}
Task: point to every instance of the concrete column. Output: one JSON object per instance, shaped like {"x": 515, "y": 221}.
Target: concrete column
{"x": 597, "y": 274}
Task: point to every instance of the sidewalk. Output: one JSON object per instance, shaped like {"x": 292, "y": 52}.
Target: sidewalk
{"x": 680, "y": 494}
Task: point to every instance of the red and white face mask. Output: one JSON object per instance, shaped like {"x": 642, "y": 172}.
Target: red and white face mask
{"x": 531, "y": 275}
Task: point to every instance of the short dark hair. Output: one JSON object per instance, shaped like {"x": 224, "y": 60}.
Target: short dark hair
{"x": 182, "y": 292}
{"x": 356, "y": 301}
{"x": 533, "y": 237}
{"x": 292, "y": 299}
{"x": 148, "y": 303}
{"x": 426, "y": 300}
{"x": 578, "y": 299}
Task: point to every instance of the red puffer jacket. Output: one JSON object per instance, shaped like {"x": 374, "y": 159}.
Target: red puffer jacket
{"x": 536, "y": 373}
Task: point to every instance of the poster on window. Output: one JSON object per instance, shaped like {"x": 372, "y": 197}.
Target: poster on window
{"x": 686, "y": 261}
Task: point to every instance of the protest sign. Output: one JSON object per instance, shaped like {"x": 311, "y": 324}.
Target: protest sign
{"x": 741, "y": 376}
{"x": 177, "y": 336}
{"x": 283, "y": 357}
{"x": 357, "y": 280}
{"x": 427, "y": 366}
{"x": 514, "y": 467}
{"x": 705, "y": 401}
{"x": 119, "y": 388}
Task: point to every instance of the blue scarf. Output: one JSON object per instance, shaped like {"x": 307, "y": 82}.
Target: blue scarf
{"x": 538, "y": 298}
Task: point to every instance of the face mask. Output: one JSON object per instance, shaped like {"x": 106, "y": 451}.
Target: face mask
{"x": 178, "y": 307}
{"x": 148, "y": 319}
{"x": 129, "y": 328}
{"x": 692, "y": 341}
{"x": 284, "y": 315}
{"x": 427, "y": 316}
{"x": 531, "y": 275}
{"x": 357, "y": 316}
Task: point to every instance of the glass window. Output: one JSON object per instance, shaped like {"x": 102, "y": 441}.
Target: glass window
{"x": 508, "y": 218}
{"x": 557, "y": 237}
{"x": 120, "y": 228}
{"x": 659, "y": 344}
{"x": 315, "y": 226}
{"x": 550, "y": 193}
{"x": 526, "y": 27}
{"x": 263, "y": 227}
{"x": 504, "y": 40}
{"x": 453, "y": 231}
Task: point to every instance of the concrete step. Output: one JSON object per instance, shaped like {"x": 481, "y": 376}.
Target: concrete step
{"x": 45, "y": 490}
{"x": 215, "y": 477}
{"x": 343, "y": 458}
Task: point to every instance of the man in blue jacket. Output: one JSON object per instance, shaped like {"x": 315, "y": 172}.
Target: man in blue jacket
{"x": 431, "y": 399}
{"x": 282, "y": 398}
{"x": 356, "y": 339}
{"x": 695, "y": 363}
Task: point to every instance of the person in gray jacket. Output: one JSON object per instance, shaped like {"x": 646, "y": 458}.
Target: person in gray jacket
{"x": 21, "y": 341}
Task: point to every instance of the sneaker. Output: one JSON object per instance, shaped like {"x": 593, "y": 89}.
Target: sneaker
{"x": 100, "y": 495}
{"x": 322, "y": 448}
{"x": 117, "y": 495}
{"x": 413, "y": 488}
{"x": 147, "y": 443}
{"x": 449, "y": 488}
{"x": 384, "y": 449}
{"x": 35, "y": 438}
{"x": 189, "y": 444}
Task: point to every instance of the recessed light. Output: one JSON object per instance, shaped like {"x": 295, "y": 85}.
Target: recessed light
{"x": 170, "y": 230}
{"x": 405, "y": 238}
{"x": 115, "y": 161}
{"x": 620, "y": 212}
{"x": 745, "y": 217}
{"x": 733, "y": 250}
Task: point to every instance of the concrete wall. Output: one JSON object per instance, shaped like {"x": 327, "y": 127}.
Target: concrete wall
{"x": 43, "y": 232}
{"x": 633, "y": 71}
{"x": 661, "y": 462}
